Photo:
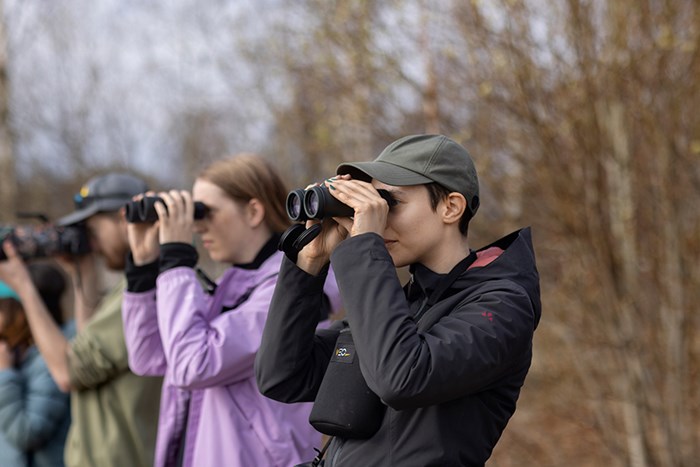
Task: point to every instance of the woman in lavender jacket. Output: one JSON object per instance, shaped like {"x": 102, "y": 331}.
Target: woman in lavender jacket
{"x": 203, "y": 336}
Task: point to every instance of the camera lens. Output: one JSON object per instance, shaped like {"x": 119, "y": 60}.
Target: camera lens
{"x": 295, "y": 205}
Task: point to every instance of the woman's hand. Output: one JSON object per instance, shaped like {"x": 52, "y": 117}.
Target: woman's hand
{"x": 371, "y": 212}
{"x": 13, "y": 270}
{"x": 143, "y": 239}
{"x": 314, "y": 256}
{"x": 177, "y": 221}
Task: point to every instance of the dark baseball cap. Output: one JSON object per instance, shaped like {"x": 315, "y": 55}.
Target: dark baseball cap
{"x": 104, "y": 193}
{"x": 422, "y": 159}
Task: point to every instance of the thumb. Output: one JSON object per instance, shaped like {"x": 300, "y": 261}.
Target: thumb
{"x": 9, "y": 249}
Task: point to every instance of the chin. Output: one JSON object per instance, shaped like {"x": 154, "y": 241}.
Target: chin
{"x": 218, "y": 257}
{"x": 399, "y": 262}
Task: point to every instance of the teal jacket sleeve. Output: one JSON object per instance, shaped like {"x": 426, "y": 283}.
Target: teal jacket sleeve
{"x": 32, "y": 407}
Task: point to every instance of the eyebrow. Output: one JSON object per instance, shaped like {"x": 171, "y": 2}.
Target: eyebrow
{"x": 395, "y": 191}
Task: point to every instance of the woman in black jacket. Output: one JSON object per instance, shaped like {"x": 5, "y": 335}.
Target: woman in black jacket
{"x": 445, "y": 356}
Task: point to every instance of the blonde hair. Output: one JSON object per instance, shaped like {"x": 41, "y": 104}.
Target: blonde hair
{"x": 246, "y": 176}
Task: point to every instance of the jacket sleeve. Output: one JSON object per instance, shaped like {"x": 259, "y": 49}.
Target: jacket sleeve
{"x": 464, "y": 352}
{"x": 98, "y": 352}
{"x": 293, "y": 356}
{"x": 31, "y": 410}
{"x": 146, "y": 356}
{"x": 203, "y": 346}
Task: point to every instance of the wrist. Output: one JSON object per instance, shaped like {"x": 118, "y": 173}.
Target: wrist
{"x": 144, "y": 259}
{"x": 311, "y": 265}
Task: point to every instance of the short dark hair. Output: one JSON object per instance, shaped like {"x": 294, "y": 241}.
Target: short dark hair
{"x": 438, "y": 193}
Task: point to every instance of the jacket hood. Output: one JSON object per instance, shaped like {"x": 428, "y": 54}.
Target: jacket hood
{"x": 510, "y": 258}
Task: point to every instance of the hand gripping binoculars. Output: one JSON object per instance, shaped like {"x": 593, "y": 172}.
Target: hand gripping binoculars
{"x": 314, "y": 203}
{"x": 144, "y": 210}
{"x": 318, "y": 203}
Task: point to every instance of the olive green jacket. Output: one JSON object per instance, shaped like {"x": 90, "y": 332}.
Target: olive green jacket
{"x": 114, "y": 412}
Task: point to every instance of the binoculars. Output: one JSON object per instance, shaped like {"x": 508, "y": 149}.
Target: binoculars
{"x": 318, "y": 203}
{"x": 144, "y": 210}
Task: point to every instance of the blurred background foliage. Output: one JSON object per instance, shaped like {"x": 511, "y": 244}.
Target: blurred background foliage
{"x": 582, "y": 117}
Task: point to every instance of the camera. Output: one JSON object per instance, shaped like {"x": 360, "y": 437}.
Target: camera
{"x": 318, "y": 203}
{"x": 44, "y": 240}
{"x": 144, "y": 210}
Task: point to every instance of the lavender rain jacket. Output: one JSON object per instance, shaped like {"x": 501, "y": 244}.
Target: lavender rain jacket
{"x": 206, "y": 356}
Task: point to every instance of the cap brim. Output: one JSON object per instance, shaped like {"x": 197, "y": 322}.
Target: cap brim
{"x": 77, "y": 216}
{"x": 82, "y": 214}
{"x": 384, "y": 172}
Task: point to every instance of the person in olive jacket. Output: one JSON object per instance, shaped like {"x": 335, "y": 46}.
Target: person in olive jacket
{"x": 446, "y": 355}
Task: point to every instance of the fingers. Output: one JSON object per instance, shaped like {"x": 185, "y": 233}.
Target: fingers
{"x": 345, "y": 223}
{"x": 370, "y": 209}
{"x": 9, "y": 249}
{"x": 179, "y": 203}
{"x": 176, "y": 215}
{"x": 143, "y": 195}
{"x": 355, "y": 193}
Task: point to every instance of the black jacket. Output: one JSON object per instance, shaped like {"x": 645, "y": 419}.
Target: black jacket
{"x": 450, "y": 389}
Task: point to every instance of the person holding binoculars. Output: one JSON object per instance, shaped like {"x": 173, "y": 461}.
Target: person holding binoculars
{"x": 204, "y": 340}
{"x": 425, "y": 374}
{"x": 113, "y": 411}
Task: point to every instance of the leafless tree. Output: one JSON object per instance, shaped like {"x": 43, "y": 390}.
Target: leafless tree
{"x": 8, "y": 184}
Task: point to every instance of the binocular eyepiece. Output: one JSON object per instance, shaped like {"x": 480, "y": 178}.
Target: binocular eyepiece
{"x": 144, "y": 210}
{"x": 318, "y": 203}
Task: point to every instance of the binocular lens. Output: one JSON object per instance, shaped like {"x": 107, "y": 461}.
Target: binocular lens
{"x": 318, "y": 203}
{"x": 295, "y": 205}
{"x": 311, "y": 203}
{"x": 295, "y": 208}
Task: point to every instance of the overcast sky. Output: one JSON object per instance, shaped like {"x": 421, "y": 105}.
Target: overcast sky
{"x": 116, "y": 74}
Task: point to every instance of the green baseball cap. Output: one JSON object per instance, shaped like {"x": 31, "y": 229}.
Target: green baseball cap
{"x": 422, "y": 159}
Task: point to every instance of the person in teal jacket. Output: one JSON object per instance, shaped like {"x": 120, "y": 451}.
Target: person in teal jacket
{"x": 34, "y": 413}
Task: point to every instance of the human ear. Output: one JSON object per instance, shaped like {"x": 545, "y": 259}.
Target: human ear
{"x": 255, "y": 212}
{"x": 453, "y": 207}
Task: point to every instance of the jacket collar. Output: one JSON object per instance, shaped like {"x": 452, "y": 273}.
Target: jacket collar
{"x": 265, "y": 252}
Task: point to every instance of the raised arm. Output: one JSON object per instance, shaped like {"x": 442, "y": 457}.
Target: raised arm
{"x": 463, "y": 353}
{"x": 293, "y": 356}
{"x": 140, "y": 318}
{"x": 204, "y": 346}
{"x": 48, "y": 336}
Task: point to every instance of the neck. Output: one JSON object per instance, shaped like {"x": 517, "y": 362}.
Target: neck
{"x": 255, "y": 243}
{"x": 448, "y": 255}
